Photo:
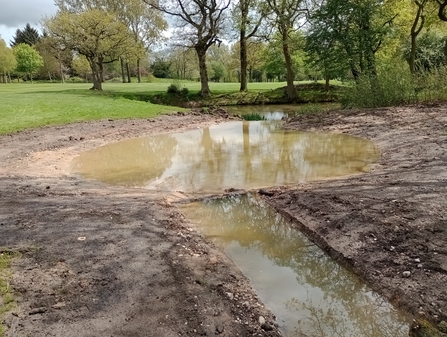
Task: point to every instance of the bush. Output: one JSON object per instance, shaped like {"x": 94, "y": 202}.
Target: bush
{"x": 176, "y": 88}
{"x": 394, "y": 85}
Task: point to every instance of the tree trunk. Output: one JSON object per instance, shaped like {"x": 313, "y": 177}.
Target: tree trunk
{"x": 62, "y": 72}
{"x": 290, "y": 75}
{"x": 129, "y": 79}
{"x": 243, "y": 56}
{"x": 123, "y": 76}
{"x": 204, "y": 87}
{"x": 415, "y": 30}
{"x": 138, "y": 71}
{"x": 96, "y": 74}
{"x": 326, "y": 84}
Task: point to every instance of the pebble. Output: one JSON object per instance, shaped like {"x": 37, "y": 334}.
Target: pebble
{"x": 420, "y": 265}
{"x": 406, "y": 273}
{"x": 261, "y": 320}
{"x": 230, "y": 296}
{"x": 417, "y": 260}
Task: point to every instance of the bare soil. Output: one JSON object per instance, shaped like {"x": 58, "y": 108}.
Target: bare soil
{"x": 108, "y": 261}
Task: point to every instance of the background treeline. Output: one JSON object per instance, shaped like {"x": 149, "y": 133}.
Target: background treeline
{"x": 390, "y": 52}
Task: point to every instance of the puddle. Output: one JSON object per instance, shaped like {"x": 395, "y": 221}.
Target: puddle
{"x": 237, "y": 154}
{"x": 310, "y": 294}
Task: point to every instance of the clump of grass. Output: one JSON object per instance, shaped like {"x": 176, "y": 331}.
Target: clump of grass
{"x": 6, "y": 296}
{"x": 253, "y": 117}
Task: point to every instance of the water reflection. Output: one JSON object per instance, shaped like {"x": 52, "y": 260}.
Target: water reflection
{"x": 235, "y": 154}
{"x": 312, "y": 295}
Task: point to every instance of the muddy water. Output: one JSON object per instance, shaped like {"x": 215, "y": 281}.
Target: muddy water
{"x": 310, "y": 294}
{"x": 237, "y": 154}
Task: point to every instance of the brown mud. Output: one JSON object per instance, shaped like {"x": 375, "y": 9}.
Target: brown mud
{"x": 108, "y": 261}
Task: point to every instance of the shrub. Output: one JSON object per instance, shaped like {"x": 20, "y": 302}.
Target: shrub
{"x": 174, "y": 88}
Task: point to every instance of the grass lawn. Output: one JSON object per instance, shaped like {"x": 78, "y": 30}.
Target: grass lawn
{"x": 26, "y": 105}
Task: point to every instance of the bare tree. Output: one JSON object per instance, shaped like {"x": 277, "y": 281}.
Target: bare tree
{"x": 199, "y": 25}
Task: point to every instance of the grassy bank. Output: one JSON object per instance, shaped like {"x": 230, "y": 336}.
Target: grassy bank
{"x": 6, "y": 297}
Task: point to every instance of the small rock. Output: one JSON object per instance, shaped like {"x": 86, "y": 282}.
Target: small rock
{"x": 261, "y": 320}
{"x": 420, "y": 265}
{"x": 417, "y": 260}
{"x": 267, "y": 327}
{"x": 219, "y": 328}
{"x": 406, "y": 273}
{"x": 230, "y": 296}
{"x": 36, "y": 311}
{"x": 59, "y": 305}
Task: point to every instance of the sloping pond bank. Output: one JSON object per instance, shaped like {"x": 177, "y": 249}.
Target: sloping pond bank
{"x": 389, "y": 225}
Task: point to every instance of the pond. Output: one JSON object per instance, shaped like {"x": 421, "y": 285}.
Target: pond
{"x": 238, "y": 154}
{"x": 310, "y": 294}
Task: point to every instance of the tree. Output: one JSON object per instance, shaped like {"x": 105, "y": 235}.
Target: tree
{"x": 145, "y": 23}
{"x": 95, "y": 34}
{"x": 199, "y": 23}
{"x": 248, "y": 14}
{"x": 184, "y": 63}
{"x": 28, "y": 35}
{"x": 7, "y": 61}
{"x": 354, "y": 30}
{"x": 28, "y": 59}
{"x": 284, "y": 16}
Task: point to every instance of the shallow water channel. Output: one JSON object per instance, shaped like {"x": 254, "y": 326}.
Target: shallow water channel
{"x": 309, "y": 293}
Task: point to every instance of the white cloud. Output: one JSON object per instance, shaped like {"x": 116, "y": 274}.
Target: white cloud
{"x": 15, "y": 14}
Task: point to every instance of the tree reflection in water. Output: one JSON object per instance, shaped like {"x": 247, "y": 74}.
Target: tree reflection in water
{"x": 230, "y": 155}
{"x": 311, "y": 294}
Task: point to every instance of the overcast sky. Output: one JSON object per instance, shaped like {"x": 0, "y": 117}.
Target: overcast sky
{"x": 15, "y": 14}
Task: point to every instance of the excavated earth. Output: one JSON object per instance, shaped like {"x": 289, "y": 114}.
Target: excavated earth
{"x": 98, "y": 260}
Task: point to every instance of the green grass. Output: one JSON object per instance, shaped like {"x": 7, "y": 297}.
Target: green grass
{"x": 25, "y": 105}
{"x": 6, "y": 296}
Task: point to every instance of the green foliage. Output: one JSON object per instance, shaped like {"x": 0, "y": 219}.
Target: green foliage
{"x": 217, "y": 71}
{"x": 253, "y": 117}
{"x": 429, "y": 51}
{"x": 397, "y": 86}
{"x": 95, "y": 34}
{"x": 28, "y": 59}
{"x": 177, "y": 89}
{"x": 161, "y": 68}
{"x": 394, "y": 86}
{"x": 28, "y": 35}
{"x": 81, "y": 66}
{"x": 7, "y": 59}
